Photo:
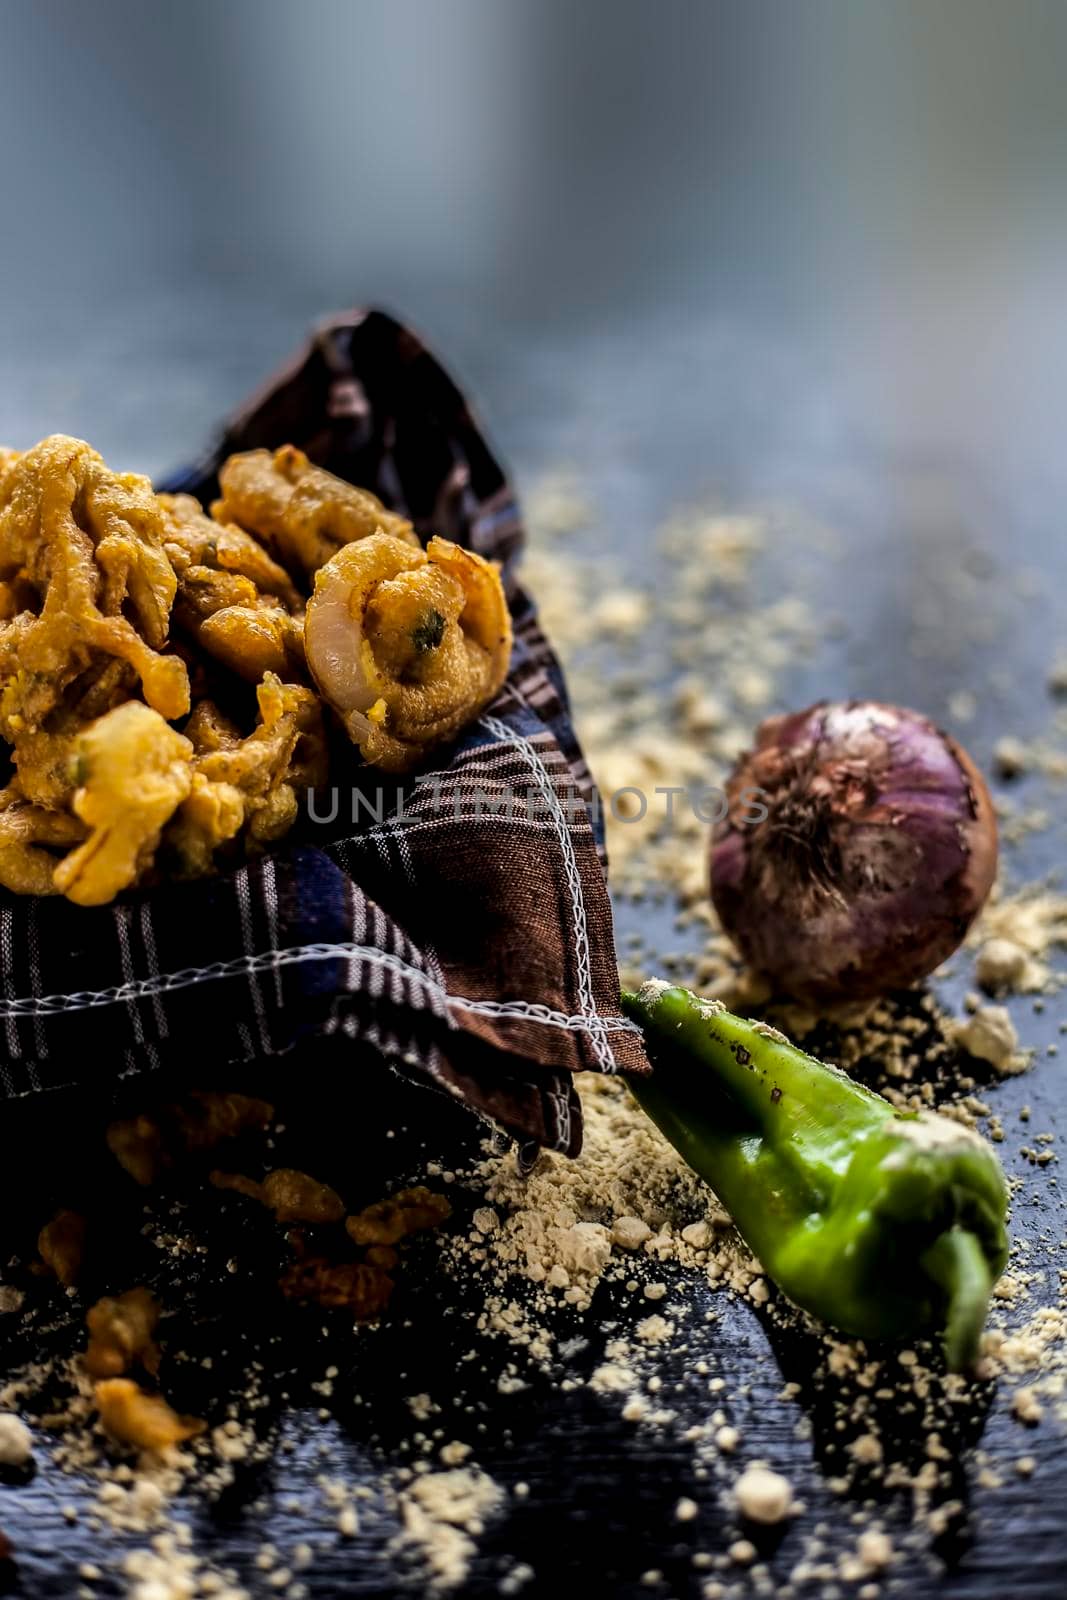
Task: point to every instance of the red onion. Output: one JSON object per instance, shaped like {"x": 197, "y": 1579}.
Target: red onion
{"x": 876, "y": 850}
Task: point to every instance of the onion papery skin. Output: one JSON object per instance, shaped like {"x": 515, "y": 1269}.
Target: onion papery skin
{"x": 878, "y": 850}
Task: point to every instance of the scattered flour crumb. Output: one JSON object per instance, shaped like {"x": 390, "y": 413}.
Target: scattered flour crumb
{"x": 442, "y": 1514}
{"x": 16, "y": 1441}
{"x": 990, "y": 1036}
{"x": 763, "y": 1495}
{"x": 654, "y": 1329}
{"x": 629, "y": 1233}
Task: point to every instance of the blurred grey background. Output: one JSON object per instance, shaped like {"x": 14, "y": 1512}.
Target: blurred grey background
{"x": 872, "y": 192}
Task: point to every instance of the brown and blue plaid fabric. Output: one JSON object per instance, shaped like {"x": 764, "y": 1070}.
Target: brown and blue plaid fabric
{"x": 458, "y": 923}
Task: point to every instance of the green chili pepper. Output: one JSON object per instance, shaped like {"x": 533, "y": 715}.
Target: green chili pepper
{"x": 881, "y": 1223}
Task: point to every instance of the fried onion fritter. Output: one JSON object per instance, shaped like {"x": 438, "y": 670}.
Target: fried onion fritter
{"x": 121, "y": 1332}
{"x": 221, "y": 548}
{"x": 88, "y": 543}
{"x": 146, "y": 1145}
{"x": 292, "y": 1196}
{"x": 28, "y": 836}
{"x": 7, "y": 461}
{"x": 255, "y": 640}
{"x": 355, "y": 1286}
{"x": 303, "y": 512}
{"x": 253, "y": 782}
{"x": 388, "y": 1221}
{"x": 211, "y": 1116}
{"x": 407, "y": 645}
{"x": 61, "y": 1243}
{"x": 134, "y": 771}
{"x": 235, "y": 601}
{"x": 138, "y": 1147}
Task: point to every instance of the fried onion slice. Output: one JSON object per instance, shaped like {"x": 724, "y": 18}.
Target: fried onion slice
{"x": 304, "y": 513}
{"x": 406, "y": 645}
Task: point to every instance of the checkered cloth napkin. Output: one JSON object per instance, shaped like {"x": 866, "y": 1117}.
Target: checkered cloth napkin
{"x": 459, "y": 927}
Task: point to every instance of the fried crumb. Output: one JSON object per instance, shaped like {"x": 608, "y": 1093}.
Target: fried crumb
{"x": 354, "y": 1286}
{"x": 143, "y": 1420}
{"x": 61, "y": 1244}
{"x": 121, "y": 1332}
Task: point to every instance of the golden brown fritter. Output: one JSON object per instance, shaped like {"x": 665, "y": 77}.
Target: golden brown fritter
{"x": 46, "y": 769}
{"x": 407, "y": 645}
{"x": 137, "y": 1145}
{"x": 146, "y": 1145}
{"x": 389, "y": 1221}
{"x": 133, "y": 771}
{"x": 211, "y": 1116}
{"x": 355, "y": 1286}
{"x": 89, "y": 544}
{"x": 220, "y": 548}
{"x": 233, "y": 599}
{"x": 255, "y": 640}
{"x": 122, "y": 1331}
{"x": 30, "y": 841}
{"x": 61, "y": 1243}
{"x": 304, "y": 513}
{"x": 252, "y": 783}
{"x": 292, "y": 1196}
{"x": 7, "y": 461}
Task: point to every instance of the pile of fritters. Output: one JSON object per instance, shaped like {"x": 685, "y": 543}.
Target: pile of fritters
{"x": 162, "y": 674}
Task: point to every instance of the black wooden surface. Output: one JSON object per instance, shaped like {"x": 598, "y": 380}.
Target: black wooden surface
{"x": 947, "y": 576}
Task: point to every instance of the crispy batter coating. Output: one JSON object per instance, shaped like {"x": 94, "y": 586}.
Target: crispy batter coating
{"x": 236, "y": 602}
{"x": 89, "y": 544}
{"x": 61, "y": 1243}
{"x": 303, "y": 512}
{"x": 355, "y": 1286}
{"x": 192, "y": 537}
{"x": 252, "y": 783}
{"x": 121, "y": 1332}
{"x": 142, "y": 1420}
{"x": 28, "y": 837}
{"x": 407, "y": 645}
{"x": 292, "y": 1196}
{"x": 47, "y": 771}
{"x": 255, "y": 640}
{"x": 389, "y": 1221}
{"x": 134, "y": 771}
